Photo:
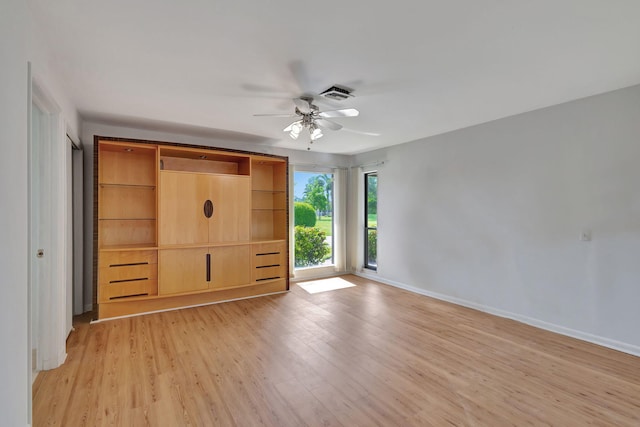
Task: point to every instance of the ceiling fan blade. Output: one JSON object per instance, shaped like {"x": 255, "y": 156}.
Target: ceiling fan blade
{"x": 327, "y": 124}
{"x": 275, "y": 115}
{"x": 345, "y": 112}
{"x": 302, "y": 105}
{"x": 361, "y": 132}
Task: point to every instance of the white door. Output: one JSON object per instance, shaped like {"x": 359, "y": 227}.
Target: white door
{"x": 49, "y": 271}
{"x": 40, "y": 232}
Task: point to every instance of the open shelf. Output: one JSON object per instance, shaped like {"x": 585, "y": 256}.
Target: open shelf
{"x": 127, "y": 164}
{"x": 268, "y": 175}
{"x": 121, "y": 232}
{"x": 127, "y": 195}
{"x": 193, "y": 160}
{"x": 127, "y": 202}
{"x": 262, "y": 199}
{"x": 268, "y": 199}
{"x": 268, "y": 224}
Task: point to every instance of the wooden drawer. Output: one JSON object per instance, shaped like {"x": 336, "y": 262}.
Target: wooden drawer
{"x": 262, "y": 260}
{"x": 123, "y": 290}
{"x": 117, "y": 259}
{"x": 269, "y": 253}
{"x": 127, "y": 274}
{"x": 269, "y": 261}
{"x": 269, "y": 273}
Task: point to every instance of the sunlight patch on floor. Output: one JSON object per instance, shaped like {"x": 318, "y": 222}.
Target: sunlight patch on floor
{"x": 325, "y": 285}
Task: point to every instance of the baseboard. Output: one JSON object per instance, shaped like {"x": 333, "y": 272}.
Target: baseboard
{"x": 55, "y": 361}
{"x": 584, "y": 336}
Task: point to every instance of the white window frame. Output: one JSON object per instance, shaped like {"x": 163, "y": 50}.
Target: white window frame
{"x": 365, "y": 225}
{"x": 357, "y": 234}
{"x": 339, "y": 216}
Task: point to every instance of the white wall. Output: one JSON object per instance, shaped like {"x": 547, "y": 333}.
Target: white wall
{"x": 18, "y": 46}
{"x": 491, "y": 216}
{"x": 91, "y": 128}
{"x": 44, "y": 71}
{"x": 14, "y": 369}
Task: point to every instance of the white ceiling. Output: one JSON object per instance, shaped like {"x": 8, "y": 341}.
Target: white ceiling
{"x": 418, "y": 68}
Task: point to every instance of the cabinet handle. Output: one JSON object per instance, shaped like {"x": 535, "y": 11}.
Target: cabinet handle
{"x": 208, "y": 267}
{"x": 208, "y": 208}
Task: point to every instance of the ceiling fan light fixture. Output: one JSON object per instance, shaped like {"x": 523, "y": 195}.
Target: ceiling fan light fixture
{"x": 294, "y": 130}
{"x": 316, "y": 134}
{"x": 311, "y": 119}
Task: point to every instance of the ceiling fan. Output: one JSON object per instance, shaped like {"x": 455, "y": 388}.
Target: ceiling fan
{"x": 310, "y": 117}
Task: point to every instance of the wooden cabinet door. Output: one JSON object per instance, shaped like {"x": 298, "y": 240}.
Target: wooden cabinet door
{"x": 182, "y": 198}
{"x": 182, "y": 270}
{"x": 231, "y": 219}
{"x": 185, "y": 270}
{"x": 230, "y": 266}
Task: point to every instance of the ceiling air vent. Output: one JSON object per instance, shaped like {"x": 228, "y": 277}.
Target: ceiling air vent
{"x": 337, "y": 93}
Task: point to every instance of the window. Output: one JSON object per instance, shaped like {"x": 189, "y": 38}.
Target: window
{"x": 371, "y": 220}
{"x": 313, "y": 219}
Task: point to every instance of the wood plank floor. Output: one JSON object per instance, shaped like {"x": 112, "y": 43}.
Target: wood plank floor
{"x": 366, "y": 355}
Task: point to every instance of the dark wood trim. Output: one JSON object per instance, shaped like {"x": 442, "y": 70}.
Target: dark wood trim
{"x": 183, "y": 145}
{"x": 94, "y": 277}
{"x": 288, "y": 233}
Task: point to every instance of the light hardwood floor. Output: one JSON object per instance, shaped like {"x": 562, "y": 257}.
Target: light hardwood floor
{"x": 367, "y": 355}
